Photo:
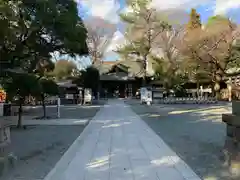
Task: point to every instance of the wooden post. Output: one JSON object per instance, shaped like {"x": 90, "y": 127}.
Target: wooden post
{"x": 58, "y": 107}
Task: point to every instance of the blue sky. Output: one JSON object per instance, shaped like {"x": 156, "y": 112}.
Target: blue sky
{"x": 205, "y": 11}
{"x": 109, "y": 10}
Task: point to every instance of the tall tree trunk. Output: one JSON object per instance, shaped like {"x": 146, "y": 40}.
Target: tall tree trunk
{"x": 20, "y": 111}
{"x": 217, "y": 88}
{"x": 44, "y": 106}
{"x": 198, "y": 85}
{"x": 83, "y": 94}
{"x": 144, "y": 79}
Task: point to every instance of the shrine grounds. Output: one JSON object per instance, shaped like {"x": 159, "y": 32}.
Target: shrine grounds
{"x": 38, "y": 148}
{"x": 194, "y": 132}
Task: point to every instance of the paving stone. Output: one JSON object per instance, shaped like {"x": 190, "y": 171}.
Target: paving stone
{"x": 120, "y": 146}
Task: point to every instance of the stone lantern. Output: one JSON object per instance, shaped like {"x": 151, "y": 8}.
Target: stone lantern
{"x": 232, "y": 143}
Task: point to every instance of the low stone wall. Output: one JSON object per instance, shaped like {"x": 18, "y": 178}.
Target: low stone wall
{"x": 173, "y": 100}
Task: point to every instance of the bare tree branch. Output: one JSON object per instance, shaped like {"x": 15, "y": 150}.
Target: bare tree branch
{"x": 100, "y": 34}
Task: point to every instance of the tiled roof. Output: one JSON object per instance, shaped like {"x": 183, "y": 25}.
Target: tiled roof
{"x": 66, "y": 84}
{"x": 120, "y": 76}
{"x": 135, "y": 67}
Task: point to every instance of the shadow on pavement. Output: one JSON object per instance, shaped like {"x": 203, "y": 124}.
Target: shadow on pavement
{"x": 196, "y": 133}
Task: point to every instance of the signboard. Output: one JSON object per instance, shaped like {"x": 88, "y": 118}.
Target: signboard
{"x": 69, "y": 96}
{"x": 157, "y": 94}
{"x": 87, "y": 96}
{"x": 143, "y": 94}
{"x": 146, "y": 95}
{"x": 149, "y": 96}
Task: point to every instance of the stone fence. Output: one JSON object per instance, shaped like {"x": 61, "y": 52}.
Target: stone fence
{"x": 183, "y": 100}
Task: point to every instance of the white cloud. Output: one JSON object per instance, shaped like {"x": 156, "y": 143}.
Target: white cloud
{"x": 117, "y": 40}
{"x": 106, "y": 9}
{"x": 222, "y": 6}
{"x": 219, "y": 6}
{"x": 171, "y": 4}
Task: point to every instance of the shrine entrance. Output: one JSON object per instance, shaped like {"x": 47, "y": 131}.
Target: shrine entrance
{"x": 118, "y": 83}
{"x": 119, "y": 89}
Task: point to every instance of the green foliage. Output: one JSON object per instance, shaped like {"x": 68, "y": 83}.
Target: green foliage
{"x": 234, "y": 59}
{"x": 64, "y": 69}
{"x": 21, "y": 85}
{"x": 49, "y": 87}
{"x": 32, "y": 30}
{"x": 218, "y": 19}
{"x": 144, "y": 26}
{"x": 90, "y": 78}
{"x": 170, "y": 77}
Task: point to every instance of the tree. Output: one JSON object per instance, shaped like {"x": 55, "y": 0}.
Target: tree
{"x": 144, "y": 25}
{"x": 217, "y": 20}
{"x": 168, "y": 66}
{"x": 212, "y": 49}
{"x": 194, "y": 69}
{"x": 28, "y": 34}
{"x": 100, "y": 34}
{"x": 64, "y": 69}
{"x": 20, "y": 86}
{"x": 91, "y": 78}
{"x": 194, "y": 21}
{"x": 171, "y": 78}
{"x": 88, "y": 78}
{"x": 48, "y": 88}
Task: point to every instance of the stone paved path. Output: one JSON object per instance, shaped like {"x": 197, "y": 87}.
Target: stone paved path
{"x": 118, "y": 145}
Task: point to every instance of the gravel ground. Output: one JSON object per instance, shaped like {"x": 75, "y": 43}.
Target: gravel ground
{"x": 68, "y": 111}
{"x": 39, "y": 148}
{"x": 194, "y": 132}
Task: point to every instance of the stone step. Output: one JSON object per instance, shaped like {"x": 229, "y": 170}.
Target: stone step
{"x": 231, "y": 119}
{"x": 236, "y": 108}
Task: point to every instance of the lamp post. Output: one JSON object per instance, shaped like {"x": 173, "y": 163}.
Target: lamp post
{"x": 58, "y": 106}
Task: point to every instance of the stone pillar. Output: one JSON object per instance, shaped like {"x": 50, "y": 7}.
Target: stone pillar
{"x": 232, "y": 143}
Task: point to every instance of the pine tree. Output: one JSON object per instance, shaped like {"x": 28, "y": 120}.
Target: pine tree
{"x": 144, "y": 25}
{"x": 194, "y": 27}
{"x": 194, "y": 20}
